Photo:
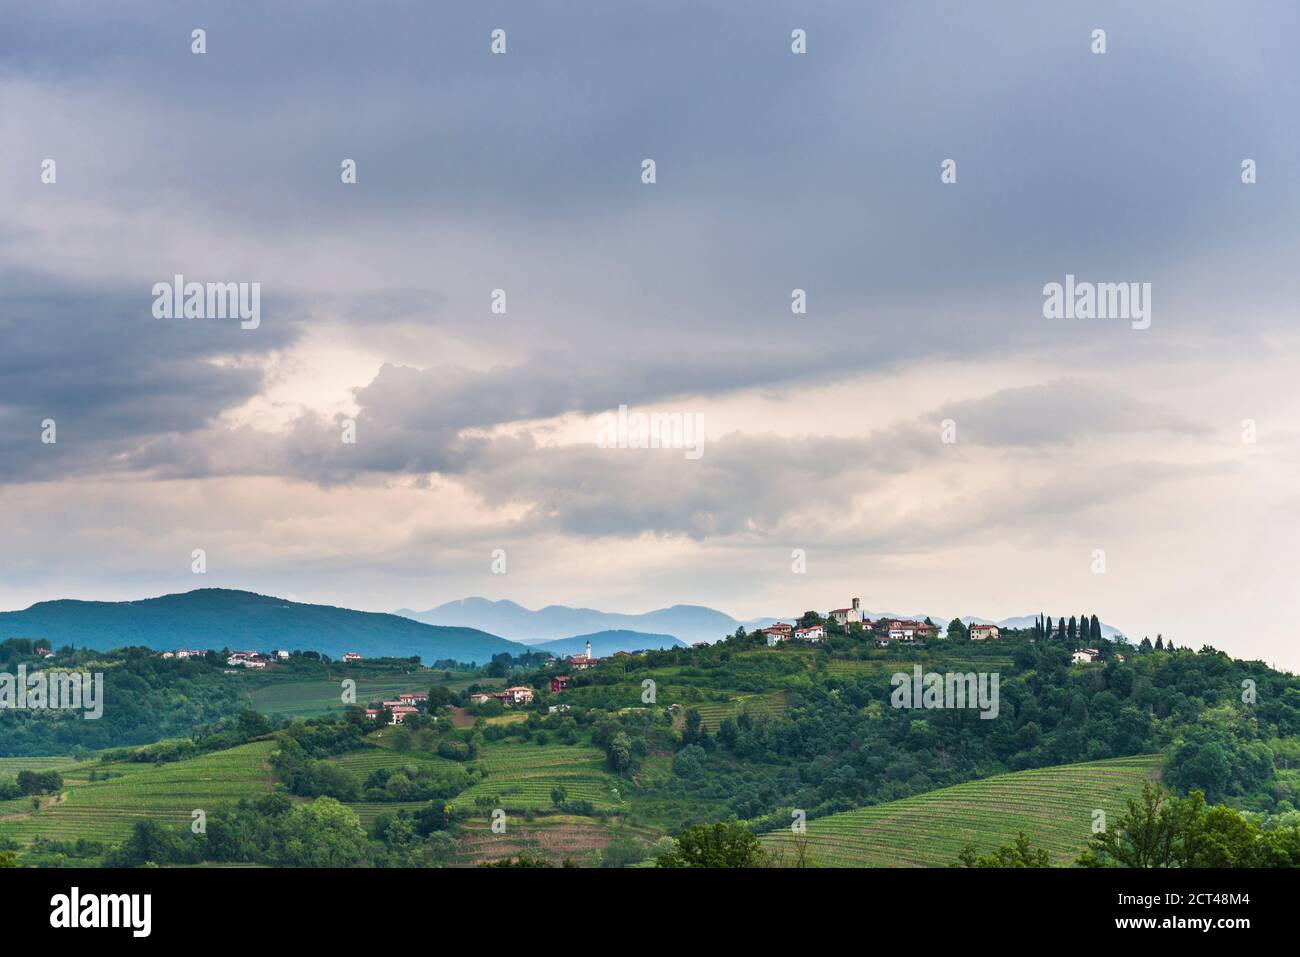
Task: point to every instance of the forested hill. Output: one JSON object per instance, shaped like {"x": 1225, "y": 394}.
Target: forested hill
{"x": 220, "y": 618}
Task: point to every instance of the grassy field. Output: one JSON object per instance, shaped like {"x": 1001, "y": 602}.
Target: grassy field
{"x": 520, "y": 776}
{"x": 1053, "y": 806}
{"x": 300, "y": 699}
{"x": 106, "y": 810}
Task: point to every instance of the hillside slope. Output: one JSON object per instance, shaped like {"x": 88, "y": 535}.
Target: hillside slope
{"x": 221, "y": 618}
{"x": 1053, "y": 806}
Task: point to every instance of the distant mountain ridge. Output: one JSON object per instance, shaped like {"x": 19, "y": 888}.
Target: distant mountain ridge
{"x": 605, "y": 643}
{"x": 687, "y": 623}
{"x": 223, "y": 618}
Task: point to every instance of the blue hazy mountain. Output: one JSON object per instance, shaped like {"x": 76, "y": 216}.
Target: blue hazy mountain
{"x": 222, "y": 618}
{"x": 605, "y": 643}
{"x": 687, "y": 623}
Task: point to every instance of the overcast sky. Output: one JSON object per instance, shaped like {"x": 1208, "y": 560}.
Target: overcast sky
{"x": 775, "y": 171}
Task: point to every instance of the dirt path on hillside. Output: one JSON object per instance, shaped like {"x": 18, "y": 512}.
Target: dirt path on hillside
{"x": 46, "y": 803}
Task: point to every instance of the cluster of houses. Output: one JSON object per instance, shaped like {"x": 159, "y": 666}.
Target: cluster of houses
{"x": 509, "y": 697}
{"x": 255, "y": 659}
{"x": 186, "y": 653}
{"x": 399, "y": 707}
{"x": 889, "y": 631}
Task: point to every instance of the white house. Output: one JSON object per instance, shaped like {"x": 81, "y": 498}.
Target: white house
{"x": 351, "y": 656}
{"x": 1085, "y": 656}
{"x": 282, "y": 655}
{"x": 519, "y": 695}
{"x": 813, "y": 633}
{"x": 775, "y": 635}
{"x": 981, "y": 632}
{"x": 902, "y": 631}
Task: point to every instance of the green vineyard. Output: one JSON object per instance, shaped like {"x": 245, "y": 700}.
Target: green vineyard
{"x": 1053, "y": 806}
{"x": 520, "y": 777}
{"x": 106, "y": 810}
{"x": 368, "y": 760}
{"x": 713, "y": 713}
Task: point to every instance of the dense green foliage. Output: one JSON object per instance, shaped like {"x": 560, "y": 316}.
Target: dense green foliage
{"x": 1162, "y": 830}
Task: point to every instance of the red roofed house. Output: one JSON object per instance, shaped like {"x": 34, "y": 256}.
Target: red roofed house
{"x": 981, "y": 632}
{"x": 400, "y": 713}
{"x": 352, "y": 656}
{"x": 775, "y": 634}
{"x": 517, "y": 695}
{"x": 559, "y": 683}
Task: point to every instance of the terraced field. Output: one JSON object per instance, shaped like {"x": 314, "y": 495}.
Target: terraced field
{"x": 11, "y": 766}
{"x": 370, "y": 759}
{"x": 713, "y": 713}
{"x": 943, "y": 663}
{"x": 521, "y": 775}
{"x": 367, "y": 811}
{"x": 106, "y": 810}
{"x": 1053, "y": 806}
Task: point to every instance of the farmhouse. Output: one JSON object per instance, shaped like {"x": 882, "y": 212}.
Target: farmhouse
{"x": 517, "y": 695}
{"x": 282, "y": 655}
{"x": 981, "y": 632}
{"x": 560, "y": 683}
{"x": 479, "y": 697}
{"x": 1085, "y": 655}
{"x": 775, "y": 634}
{"x": 902, "y": 630}
{"x": 813, "y": 633}
{"x": 413, "y": 697}
{"x": 843, "y": 616}
{"x": 400, "y": 712}
{"x": 699, "y": 644}
{"x": 351, "y": 656}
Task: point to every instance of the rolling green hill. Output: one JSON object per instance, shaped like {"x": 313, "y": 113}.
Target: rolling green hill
{"x": 220, "y": 618}
{"x": 1053, "y": 806}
